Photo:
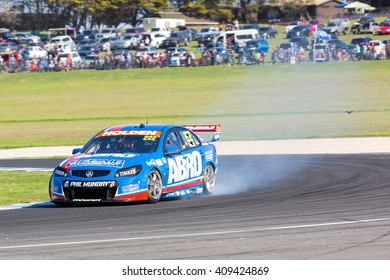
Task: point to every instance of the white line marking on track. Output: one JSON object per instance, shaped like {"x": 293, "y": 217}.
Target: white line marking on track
{"x": 27, "y": 169}
{"x": 196, "y": 234}
{"x": 27, "y": 205}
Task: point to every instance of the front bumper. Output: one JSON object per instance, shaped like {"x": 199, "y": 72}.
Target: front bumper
{"x": 67, "y": 190}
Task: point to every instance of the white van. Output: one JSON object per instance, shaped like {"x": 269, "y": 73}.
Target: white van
{"x": 64, "y": 42}
{"x": 237, "y": 37}
{"x": 153, "y": 38}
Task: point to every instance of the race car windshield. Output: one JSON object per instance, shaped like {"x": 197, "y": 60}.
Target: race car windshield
{"x": 121, "y": 144}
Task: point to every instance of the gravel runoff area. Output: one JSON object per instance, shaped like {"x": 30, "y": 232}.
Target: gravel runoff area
{"x": 295, "y": 146}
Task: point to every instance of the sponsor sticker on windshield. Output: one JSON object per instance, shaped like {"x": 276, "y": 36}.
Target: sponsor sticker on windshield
{"x": 154, "y": 133}
{"x": 97, "y": 162}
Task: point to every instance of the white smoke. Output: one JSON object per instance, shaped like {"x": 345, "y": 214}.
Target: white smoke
{"x": 237, "y": 174}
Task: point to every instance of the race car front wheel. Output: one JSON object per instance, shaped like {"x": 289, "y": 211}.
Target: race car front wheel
{"x": 208, "y": 179}
{"x": 154, "y": 186}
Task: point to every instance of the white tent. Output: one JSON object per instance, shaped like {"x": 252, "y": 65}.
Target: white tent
{"x": 359, "y": 7}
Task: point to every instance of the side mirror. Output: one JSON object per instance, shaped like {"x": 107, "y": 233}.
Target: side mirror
{"x": 172, "y": 151}
{"x": 76, "y": 151}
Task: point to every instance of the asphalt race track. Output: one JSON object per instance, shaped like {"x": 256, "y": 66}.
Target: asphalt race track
{"x": 266, "y": 207}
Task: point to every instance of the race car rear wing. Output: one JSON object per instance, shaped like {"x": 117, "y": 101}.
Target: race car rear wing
{"x": 207, "y": 128}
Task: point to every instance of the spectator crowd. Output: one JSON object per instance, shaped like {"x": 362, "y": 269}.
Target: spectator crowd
{"x": 208, "y": 56}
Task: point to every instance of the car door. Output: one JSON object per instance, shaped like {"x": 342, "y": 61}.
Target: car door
{"x": 184, "y": 158}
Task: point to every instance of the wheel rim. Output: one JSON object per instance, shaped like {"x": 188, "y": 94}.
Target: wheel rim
{"x": 154, "y": 185}
{"x": 209, "y": 179}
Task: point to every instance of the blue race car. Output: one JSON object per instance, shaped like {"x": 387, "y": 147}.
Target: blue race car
{"x": 138, "y": 163}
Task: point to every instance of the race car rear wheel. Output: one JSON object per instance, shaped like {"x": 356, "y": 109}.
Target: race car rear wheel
{"x": 154, "y": 186}
{"x": 208, "y": 179}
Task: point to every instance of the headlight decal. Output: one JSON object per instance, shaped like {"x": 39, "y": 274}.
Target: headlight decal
{"x": 60, "y": 172}
{"x": 129, "y": 172}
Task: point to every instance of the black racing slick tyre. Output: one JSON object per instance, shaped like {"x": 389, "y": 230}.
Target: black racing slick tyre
{"x": 62, "y": 204}
{"x": 154, "y": 187}
{"x": 208, "y": 179}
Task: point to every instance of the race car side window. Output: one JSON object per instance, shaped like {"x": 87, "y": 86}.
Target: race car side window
{"x": 189, "y": 138}
{"x": 173, "y": 141}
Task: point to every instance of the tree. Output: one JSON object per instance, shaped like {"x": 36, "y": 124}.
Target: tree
{"x": 81, "y": 12}
{"x": 113, "y": 12}
{"x": 214, "y": 9}
{"x": 296, "y": 8}
{"x": 8, "y": 14}
{"x": 148, "y": 8}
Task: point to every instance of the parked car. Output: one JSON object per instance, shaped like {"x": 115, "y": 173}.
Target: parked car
{"x": 43, "y": 36}
{"x": 89, "y": 61}
{"x": 205, "y": 30}
{"x": 36, "y": 52}
{"x": 128, "y": 41}
{"x": 86, "y": 42}
{"x": 154, "y": 39}
{"x": 134, "y": 30}
{"x": 301, "y": 41}
{"x": 213, "y": 45}
{"x": 365, "y": 19}
{"x": 336, "y": 27}
{"x": 267, "y": 32}
{"x": 366, "y": 24}
{"x": 344, "y": 23}
{"x": 378, "y": 45}
{"x": 384, "y": 28}
{"x": 176, "y": 50}
{"x": 177, "y": 39}
{"x": 291, "y": 25}
{"x": 8, "y": 47}
{"x": 122, "y": 51}
{"x": 27, "y": 38}
{"x": 105, "y": 43}
{"x": 74, "y": 55}
{"x": 87, "y": 50}
{"x": 207, "y": 38}
{"x": 65, "y": 43}
{"x": 177, "y": 59}
{"x": 63, "y": 31}
{"x": 256, "y": 44}
{"x": 87, "y": 34}
{"x": 285, "y": 49}
{"x": 339, "y": 44}
{"x": 166, "y": 32}
{"x": 106, "y": 33}
{"x": 371, "y": 27}
{"x": 363, "y": 40}
{"x": 150, "y": 50}
{"x": 315, "y": 23}
{"x": 7, "y": 36}
{"x": 320, "y": 53}
{"x": 299, "y": 30}
{"x": 191, "y": 31}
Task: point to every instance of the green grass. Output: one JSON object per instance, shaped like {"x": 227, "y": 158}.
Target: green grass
{"x": 23, "y": 187}
{"x": 251, "y": 102}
